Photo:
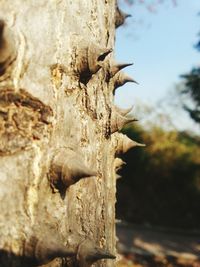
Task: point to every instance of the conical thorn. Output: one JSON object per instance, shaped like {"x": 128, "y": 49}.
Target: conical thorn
{"x": 118, "y": 121}
{"x": 121, "y": 79}
{"x": 115, "y": 68}
{"x": 118, "y": 176}
{"x": 140, "y": 144}
{"x": 125, "y": 143}
{"x": 123, "y": 112}
{"x": 42, "y": 248}
{"x": 87, "y": 57}
{"x": 103, "y": 254}
{"x": 67, "y": 168}
{"x": 127, "y": 79}
{"x": 88, "y": 253}
{"x": 120, "y": 17}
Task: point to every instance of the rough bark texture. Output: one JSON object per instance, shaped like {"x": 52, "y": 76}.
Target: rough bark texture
{"x": 56, "y": 100}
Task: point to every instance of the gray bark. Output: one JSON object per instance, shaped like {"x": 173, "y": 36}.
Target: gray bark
{"x": 57, "y": 166}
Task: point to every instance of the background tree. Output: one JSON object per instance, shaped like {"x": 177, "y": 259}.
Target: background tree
{"x": 191, "y": 88}
{"x": 161, "y": 182}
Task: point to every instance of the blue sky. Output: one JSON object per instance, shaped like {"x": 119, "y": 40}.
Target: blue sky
{"x": 161, "y": 46}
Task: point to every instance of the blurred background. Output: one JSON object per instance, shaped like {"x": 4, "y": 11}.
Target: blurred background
{"x": 158, "y": 196}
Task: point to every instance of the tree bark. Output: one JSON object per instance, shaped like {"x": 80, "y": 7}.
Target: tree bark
{"x": 57, "y": 166}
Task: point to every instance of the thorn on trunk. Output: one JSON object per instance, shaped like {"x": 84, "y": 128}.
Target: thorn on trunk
{"x": 125, "y": 143}
{"x": 88, "y": 253}
{"x": 120, "y": 17}
{"x": 42, "y": 249}
{"x": 120, "y": 79}
{"x": 116, "y": 67}
{"x": 88, "y": 58}
{"x": 67, "y": 168}
{"x": 118, "y": 121}
{"x": 123, "y": 112}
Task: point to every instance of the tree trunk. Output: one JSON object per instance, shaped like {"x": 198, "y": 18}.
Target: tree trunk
{"x": 57, "y": 141}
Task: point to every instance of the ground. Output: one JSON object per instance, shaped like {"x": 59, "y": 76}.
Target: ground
{"x": 155, "y": 247}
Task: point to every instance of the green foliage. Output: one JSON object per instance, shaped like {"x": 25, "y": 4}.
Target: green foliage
{"x": 192, "y": 88}
{"x": 161, "y": 183}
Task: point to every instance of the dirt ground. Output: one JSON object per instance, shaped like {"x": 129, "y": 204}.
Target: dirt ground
{"x": 152, "y": 247}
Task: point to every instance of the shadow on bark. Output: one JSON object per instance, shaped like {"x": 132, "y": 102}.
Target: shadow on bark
{"x": 9, "y": 259}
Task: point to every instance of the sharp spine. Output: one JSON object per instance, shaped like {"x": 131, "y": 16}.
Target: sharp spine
{"x": 125, "y": 143}
{"x": 120, "y": 17}
{"x": 116, "y": 67}
{"x": 121, "y": 79}
{"x": 118, "y": 176}
{"x": 41, "y": 249}
{"x": 118, "y": 121}
{"x": 67, "y": 168}
{"x": 123, "y": 112}
{"x": 88, "y": 58}
{"x": 88, "y": 253}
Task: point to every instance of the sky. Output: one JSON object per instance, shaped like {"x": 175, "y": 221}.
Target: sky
{"x": 161, "y": 46}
